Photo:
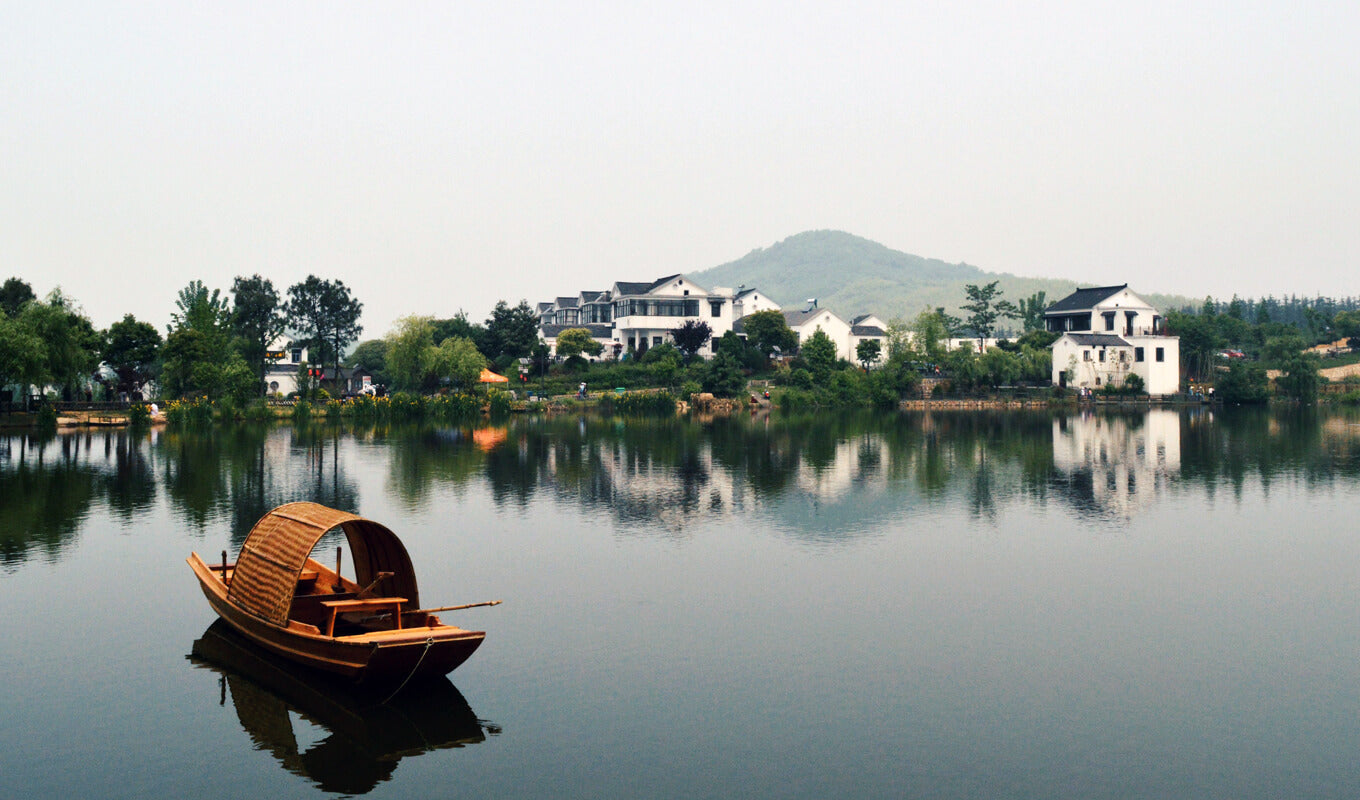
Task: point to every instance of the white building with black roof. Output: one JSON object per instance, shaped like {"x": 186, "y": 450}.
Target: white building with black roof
{"x": 1107, "y": 334}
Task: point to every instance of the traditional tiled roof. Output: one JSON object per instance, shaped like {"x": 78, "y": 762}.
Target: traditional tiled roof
{"x": 660, "y": 281}
{"x": 630, "y": 287}
{"x": 866, "y": 330}
{"x": 1084, "y": 299}
{"x": 567, "y": 302}
{"x": 593, "y": 297}
{"x": 1098, "y": 339}
{"x": 796, "y": 318}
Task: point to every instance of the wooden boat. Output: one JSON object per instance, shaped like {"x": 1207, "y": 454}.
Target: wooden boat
{"x": 369, "y": 630}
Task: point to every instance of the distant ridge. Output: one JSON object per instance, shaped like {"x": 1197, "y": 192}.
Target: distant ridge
{"x": 851, "y": 275}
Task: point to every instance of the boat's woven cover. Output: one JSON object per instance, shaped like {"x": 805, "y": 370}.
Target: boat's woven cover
{"x": 276, "y": 550}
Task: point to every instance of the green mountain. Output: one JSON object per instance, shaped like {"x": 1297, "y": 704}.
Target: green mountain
{"x": 851, "y": 275}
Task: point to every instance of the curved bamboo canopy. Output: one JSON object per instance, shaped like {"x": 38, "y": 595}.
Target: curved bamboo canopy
{"x": 277, "y": 548}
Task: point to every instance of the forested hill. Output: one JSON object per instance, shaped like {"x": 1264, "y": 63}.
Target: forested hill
{"x": 851, "y": 275}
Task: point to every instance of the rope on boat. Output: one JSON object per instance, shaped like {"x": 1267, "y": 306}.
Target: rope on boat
{"x": 429, "y": 642}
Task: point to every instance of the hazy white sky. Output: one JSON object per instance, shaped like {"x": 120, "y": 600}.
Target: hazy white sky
{"x": 440, "y": 156}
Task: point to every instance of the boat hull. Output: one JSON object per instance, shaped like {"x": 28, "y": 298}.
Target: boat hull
{"x": 389, "y": 657}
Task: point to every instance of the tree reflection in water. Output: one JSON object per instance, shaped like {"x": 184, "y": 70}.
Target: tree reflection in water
{"x": 825, "y": 477}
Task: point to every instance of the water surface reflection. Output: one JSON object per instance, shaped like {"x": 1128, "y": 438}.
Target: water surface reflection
{"x": 363, "y": 736}
{"x": 822, "y": 479}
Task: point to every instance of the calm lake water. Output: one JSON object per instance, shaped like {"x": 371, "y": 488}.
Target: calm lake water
{"x": 1151, "y": 604}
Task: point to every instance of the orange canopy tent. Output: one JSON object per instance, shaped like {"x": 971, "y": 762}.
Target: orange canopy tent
{"x": 488, "y": 376}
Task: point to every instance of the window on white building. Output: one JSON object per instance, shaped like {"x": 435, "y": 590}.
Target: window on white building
{"x": 1161, "y": 354}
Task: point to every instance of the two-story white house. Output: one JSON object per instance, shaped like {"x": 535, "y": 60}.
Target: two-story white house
{"x": 808, "y": 322}
{"x": 285, "y": 358}
{"x": 868, "y": 327}
{"x": 632, "y": 317}
{"x": 1107, "y": 334}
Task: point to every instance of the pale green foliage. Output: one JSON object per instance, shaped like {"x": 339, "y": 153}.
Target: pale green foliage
{"x": 458, "y": 360}
{"x": 930, "y": 336}
{"x": 23, "y": 355}
{"x": 414, "y": 363}
{"x": 70, "y": 343}
{"x": 575, "y": 341}
{"x": 410, "y": 352}
{"x": 900, "y": 340}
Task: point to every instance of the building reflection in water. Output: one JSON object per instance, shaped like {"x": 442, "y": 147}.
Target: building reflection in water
{"x": 1113, "y": 465}
{"x": 366, "y": 734}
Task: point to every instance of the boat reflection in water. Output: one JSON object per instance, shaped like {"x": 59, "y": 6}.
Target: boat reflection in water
{"x": 368, "y": 733}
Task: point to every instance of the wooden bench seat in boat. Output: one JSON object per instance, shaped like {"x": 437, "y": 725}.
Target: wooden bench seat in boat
{"x": 336, "y": 607}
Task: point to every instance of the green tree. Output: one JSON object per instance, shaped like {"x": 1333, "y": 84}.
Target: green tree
{"x": 1278, "y": 349}
{"x": 410, "y": 353}
{"x": 723, "y": 375}
{"x": 901, "y": 338}
{"x": 1347, "y": 325}
{"x": 867, "y": 352}
{"x": 575, "y": 341}
{"x": 930, "y": 333}
{"x": 663, "y": 363}
{"x": 1244, "y": 383}
{"x": 198, "y": 355}
{"x": 71, "y": 344}
{"x": 200, "y": 309}
{"x": 767, "y": 330}
{"x": 1300, "y": 380}
{"x": 820, "y": 354}
{"x": 964, "y": 366}
{"x": 459, "y": 361}
{"x": 326, "y": 315}
{"x": 23, "y": 356}
{"x": 13, "y": 295}
{"x": 257, "y": 318}
{"x": 691, "y": 337}
{"x": 371, "y": 355}
{"x": 458, "y": 325}
{"x": 1001, "y": 368}
{"x": 1031, "y": 311}
{"x": 1133, "y": 384}
{"x": 984, "y": 309}
{"x": 511, "y": 332}
{"x": 1199, "y": 341}
{"x": 132, "y": 351}
{"x": 1262, "y": 313}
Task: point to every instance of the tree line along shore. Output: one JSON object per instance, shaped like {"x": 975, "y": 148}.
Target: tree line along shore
{"x": 216, "y": 351}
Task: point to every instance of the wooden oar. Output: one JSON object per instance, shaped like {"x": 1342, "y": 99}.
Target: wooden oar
{"x": 452, "y": 608}
{"x": 382, "y": 576}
